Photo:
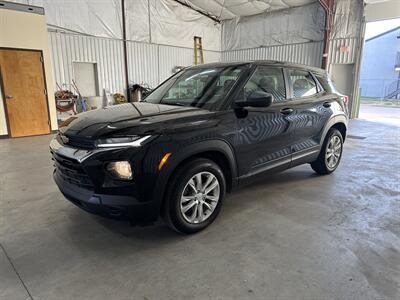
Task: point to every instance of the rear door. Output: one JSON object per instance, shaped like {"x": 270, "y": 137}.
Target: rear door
{"x": 264, "y": 135}
{"x": 312, "y": 110}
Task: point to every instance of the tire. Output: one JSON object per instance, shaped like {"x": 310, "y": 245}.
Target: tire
{"x": 183, "y": 193}
{"x": 323, "y": 164}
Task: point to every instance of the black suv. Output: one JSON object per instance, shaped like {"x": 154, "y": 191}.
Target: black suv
{"x": 204, "y": 131}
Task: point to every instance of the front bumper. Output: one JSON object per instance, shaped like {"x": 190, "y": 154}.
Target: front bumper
{"x": 109, "y": 206}
{"x": 122, "y": 207}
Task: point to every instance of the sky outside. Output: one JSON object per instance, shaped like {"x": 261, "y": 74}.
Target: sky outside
{"x": 375, "y": 28}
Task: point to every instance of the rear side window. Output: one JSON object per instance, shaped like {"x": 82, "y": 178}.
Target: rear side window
{"x": 326, "y": 83}
{"x": 269, "y": 80}
{"x": 303, "y": 83}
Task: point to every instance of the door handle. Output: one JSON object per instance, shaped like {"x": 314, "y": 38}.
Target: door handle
{"x": 9, "y": 97}
{"x": 327, "y": 104}
{"x": 286, "y": 111}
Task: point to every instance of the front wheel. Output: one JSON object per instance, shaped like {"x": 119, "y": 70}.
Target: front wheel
{"x": 195, "y": 196}
{"x": 331, "y": 153}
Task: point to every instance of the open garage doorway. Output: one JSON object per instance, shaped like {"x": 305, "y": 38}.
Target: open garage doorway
{"x": 380, "y": 72}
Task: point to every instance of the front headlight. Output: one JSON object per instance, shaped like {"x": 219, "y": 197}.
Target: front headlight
{"x": 120, "y": 169}
{"x": 130, "y": 141}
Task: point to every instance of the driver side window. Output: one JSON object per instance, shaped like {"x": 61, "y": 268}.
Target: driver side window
{"x": 269, "y": 80}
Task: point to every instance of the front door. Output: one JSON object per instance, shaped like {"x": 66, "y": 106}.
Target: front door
{"x": 24, "y": 92}
{"x": 265, "y": 135}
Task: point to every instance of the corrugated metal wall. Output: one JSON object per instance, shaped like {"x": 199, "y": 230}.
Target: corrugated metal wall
{"x": 303, "y": 53}
{"x": 147, "y": 63}
{"x": 106, "y": 53}
{"x": 338, "y": 56}
{"x": 152, "y": 63}
{"x": 143, "y": 63}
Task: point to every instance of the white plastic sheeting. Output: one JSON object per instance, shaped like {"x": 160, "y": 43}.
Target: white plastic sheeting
{"x": 174, "y": 24}
{"x": 170, "y": 23}
{"x": 291, "y": 26}
{"x": 154, "y": 21}
{"x": 348, "y": 19}
{"x": 93, "y": 17}
{"x": 229, "y": 9}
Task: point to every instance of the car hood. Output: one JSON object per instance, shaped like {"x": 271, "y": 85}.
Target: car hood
{"x": 136, "y": 119}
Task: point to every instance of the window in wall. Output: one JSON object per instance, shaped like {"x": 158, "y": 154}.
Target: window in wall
{"x": 269, "y": 80}
{"x": 303, "y": 83}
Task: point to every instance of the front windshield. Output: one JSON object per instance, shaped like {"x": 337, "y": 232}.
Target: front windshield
{"x": 198, "y": 87}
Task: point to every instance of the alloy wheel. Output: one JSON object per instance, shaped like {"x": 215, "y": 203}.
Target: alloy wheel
{"x": 333, "y": 152}
{"x": 200, "y": 197}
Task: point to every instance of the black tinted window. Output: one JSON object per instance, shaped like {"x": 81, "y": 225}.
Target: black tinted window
{"x": 303, "y": 83}
{"x": 269, "y": 80}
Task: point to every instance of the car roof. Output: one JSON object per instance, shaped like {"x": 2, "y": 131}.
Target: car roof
{"x": 261, "y": 62}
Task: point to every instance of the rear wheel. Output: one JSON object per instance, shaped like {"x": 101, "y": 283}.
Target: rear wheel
{"x": 195, "y": 196}
{"x": 331, "y": 153}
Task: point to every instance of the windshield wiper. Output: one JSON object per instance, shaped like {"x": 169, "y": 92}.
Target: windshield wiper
{"x": 173, "y": 103}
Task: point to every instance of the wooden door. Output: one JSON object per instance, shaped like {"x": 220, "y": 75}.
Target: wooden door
{"x": 24, "y": 92}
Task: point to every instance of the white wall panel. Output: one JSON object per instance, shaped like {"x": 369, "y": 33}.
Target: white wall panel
{"x": 151, "y": 63}
{"x": 170, "y": 57}
{"x": 303, "y": 53}
{"x": 147, "y": 63}
{"x": 143, "y": 63}
{"x": 106, "y": 53}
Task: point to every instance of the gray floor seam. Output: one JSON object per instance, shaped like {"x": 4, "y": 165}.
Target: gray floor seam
{"x": 16, "y": 272}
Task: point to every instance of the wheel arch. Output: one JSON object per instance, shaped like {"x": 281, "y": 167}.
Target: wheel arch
{"x": 339, "y": 122}
{"x": 342, "y": 128}
{"x": 218, "y": 151}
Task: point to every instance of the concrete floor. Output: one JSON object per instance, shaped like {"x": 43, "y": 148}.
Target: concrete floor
{"x": 294, "y": 236}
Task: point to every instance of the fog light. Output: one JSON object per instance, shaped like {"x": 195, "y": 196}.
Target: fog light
{"x": 120, "y": 169}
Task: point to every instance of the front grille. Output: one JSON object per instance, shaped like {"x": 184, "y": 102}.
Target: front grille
{"x": 77, "y": 142}
{"x": 71, "y": 171}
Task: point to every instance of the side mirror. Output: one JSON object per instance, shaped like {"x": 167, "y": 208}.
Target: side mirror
{"x": 256, "y": 99}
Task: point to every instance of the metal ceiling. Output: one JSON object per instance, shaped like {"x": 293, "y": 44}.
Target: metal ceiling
{"x": 229, "y": 9}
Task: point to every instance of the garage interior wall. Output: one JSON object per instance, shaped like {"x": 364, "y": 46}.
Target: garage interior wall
{"x": 159, "y": 38}
{"x": 148, "y": 63}
{"x": 294, "y": 34}
{"x": 33, "y": 37}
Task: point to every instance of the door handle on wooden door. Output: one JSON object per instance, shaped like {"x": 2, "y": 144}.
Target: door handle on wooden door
{"x": 9, "y": 97}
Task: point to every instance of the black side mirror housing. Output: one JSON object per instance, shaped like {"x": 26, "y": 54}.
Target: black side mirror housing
{"x": 256, "y": 99}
